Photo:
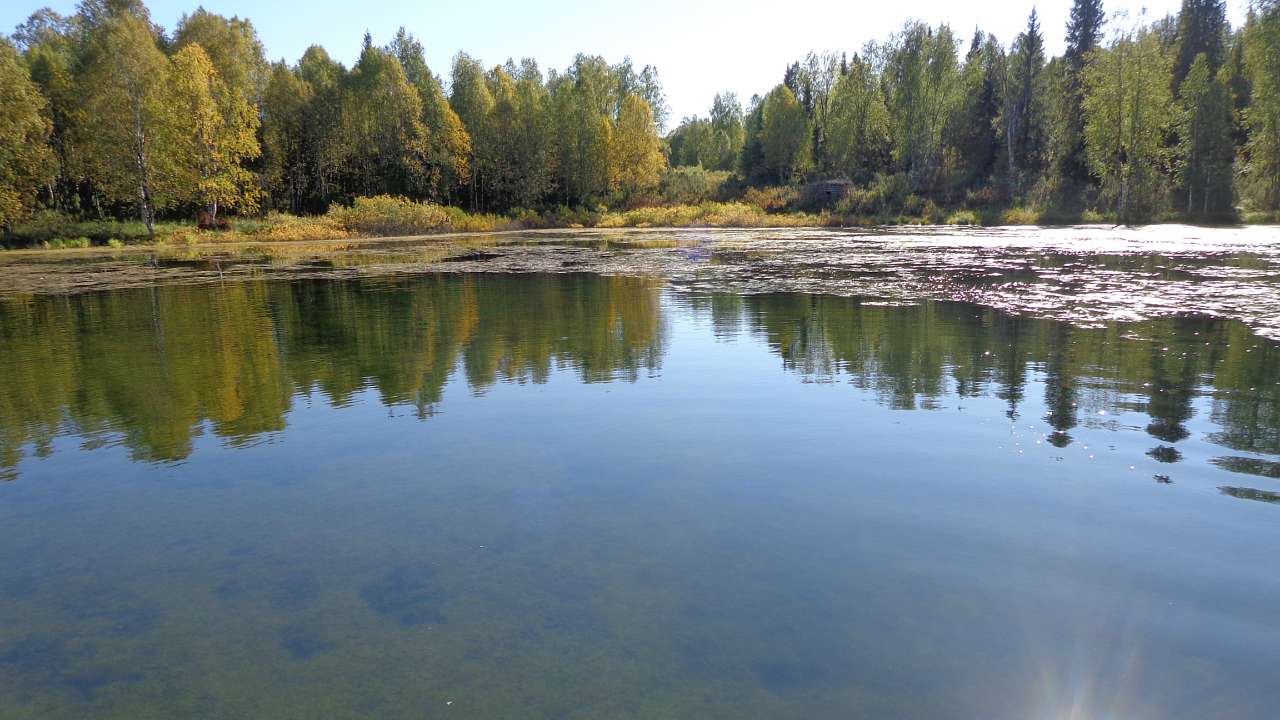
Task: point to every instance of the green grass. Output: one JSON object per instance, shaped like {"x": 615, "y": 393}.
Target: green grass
{"x": 61, "y": 243}
{"x": 1020, "y": 216}
{"x": 1262, "y": 218}
{"x": 964, "y": 217}
{"x": 54, "y": 230}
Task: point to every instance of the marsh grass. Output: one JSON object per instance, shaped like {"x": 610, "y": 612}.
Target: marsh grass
{"x": 710, "y": 214}
{"x": 280, "y": 227}
{"x": 54, "y": 230}
{"x": 964, "y": 217}
{"x": 63, "y": 243}
{"x": 384, "y": 216}
{"x": 1020, "y": 216}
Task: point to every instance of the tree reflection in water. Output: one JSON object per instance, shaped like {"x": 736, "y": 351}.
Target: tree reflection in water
{"x": 151, "y": 368}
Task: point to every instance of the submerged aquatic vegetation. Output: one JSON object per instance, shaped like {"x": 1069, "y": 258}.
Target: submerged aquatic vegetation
{"x": 409, "y": 594}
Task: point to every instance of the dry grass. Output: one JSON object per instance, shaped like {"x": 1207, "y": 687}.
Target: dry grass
{"x": 386, "y": 216}
{"x": 705, "y": 215}
{"x": 279, "y": 227}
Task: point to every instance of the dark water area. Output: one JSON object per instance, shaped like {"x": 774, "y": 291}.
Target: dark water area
{"x": 579, "y": 496}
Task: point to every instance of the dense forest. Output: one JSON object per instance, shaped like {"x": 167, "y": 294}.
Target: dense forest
{"x": 104, "y": 114}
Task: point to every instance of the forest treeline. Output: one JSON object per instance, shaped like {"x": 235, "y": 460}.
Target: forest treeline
{"x": 1136, "y": 118}
{"x": 104, "y": 114}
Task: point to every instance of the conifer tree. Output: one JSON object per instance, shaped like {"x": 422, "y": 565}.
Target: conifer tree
{"x": 1202, "y": 30}
{"x": 1206, "y": 152}
{"x": 1084, "y": 33}
{"x": 1022, "y": 119}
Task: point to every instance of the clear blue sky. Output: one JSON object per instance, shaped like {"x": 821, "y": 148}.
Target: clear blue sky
{"x": 699, "y": 47}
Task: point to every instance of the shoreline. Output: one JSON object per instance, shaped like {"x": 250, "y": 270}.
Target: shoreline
{"x": 396, "y": 217}
{"x": 1085, "y": 274}
{"x": 232, "y": 241}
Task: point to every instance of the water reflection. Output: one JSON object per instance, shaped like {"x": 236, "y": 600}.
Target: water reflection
{"x": 1250, "y": 466}
{"x": 914, "y": 356}
{"x": 153, "y": 368}
{"x": 1251, "y": 494}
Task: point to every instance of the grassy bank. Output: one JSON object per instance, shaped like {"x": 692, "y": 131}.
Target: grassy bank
{"x": 388, "y": 216}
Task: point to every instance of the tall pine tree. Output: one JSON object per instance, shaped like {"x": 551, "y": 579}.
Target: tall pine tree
{"x": 1023, "y": 116}
{"x": 1205, "y": 149}
{"x": 1202, "y": 30}
{"x": 1084, "y": 32}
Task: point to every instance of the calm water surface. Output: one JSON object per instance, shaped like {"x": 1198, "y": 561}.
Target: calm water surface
{"x": 576, "y": 496}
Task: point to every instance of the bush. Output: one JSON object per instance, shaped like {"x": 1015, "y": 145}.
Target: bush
{"x": 385, "y": 215}
{"x": 692, "y": 185}
{"x": 932, "y": 214}
{"x": 567, "y": 217}
{"x": 65, "y": 242}
{"x": 41, "y": 228}
{"x": 887, "y": 195}
{"x": 526, "y": 218}
{"x": 279, "y": 227}
{"x": 1261, "y": 218}
{"x": 44, "y": 228}
{"x": 982, "y": 198}
{"x": 1053, "y": 215}
{"x": 462, "y": 221}
{"x": 771, "y": 199}
{"x": 1020, "y": 216}
{"x": 964, "y": 217}
{"x": 711, "y": 214}
{"x": 823, "y": 194}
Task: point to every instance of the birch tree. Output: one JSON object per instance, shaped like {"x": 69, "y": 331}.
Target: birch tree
{"x": 1127, "y": 102}
{"x": 126, "y": 123}
{"x": 26, "y": 162}
{"x": 1262, "y": 60}
{"x": 218, "y": 135}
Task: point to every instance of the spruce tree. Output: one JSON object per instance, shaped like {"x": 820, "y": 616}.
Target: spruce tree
{"x": 1084, "y": 32}
{"x": 1202, "y": 29}
{"x": 1205, "y": 148}
{"x": 1023, "y": 116}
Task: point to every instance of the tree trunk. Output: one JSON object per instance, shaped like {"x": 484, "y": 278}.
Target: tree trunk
{"x": 145, "y": 204}
{"x": 142, "y": 206}
{"x": 1190, "y": 194}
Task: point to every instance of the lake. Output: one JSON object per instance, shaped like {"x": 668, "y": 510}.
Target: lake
{"x": 703, "y": 486}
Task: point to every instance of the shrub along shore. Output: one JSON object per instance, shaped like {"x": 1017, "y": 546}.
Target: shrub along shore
{"x": 386, "y": 216}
